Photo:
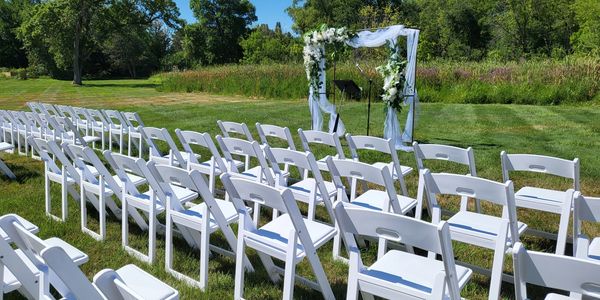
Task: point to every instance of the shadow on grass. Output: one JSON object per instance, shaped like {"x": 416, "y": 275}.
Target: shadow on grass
{"x": 121, "y": 85}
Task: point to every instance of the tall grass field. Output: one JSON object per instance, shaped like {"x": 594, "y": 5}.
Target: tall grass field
{"x": 539, "y": 82}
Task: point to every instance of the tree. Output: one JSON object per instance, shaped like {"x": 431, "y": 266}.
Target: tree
{"x": 587, "y": 38}
{"x": 267, "y": 46}
{"x": 12, "y": 54}
{"x": 68, "y": 31}
{"x": 221, "y": 25}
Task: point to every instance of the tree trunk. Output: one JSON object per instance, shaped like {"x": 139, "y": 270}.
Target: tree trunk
{"x": 76, "y": 53}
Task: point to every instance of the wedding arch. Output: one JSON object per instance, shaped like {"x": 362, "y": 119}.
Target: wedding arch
{"x": 399, "y": 76}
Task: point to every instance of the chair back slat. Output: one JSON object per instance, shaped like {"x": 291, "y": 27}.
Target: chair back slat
{"x": 444, "y": 153}
{"x": 241, "y": 129}
{"x": 541, "y": 164}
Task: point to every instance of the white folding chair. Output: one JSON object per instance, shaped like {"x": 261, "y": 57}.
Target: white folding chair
{"x": 240, "y": 130}
{"x": 586, "y": 209}
{"x": 28, "y": 249}
{"x": 66, "y": 175}
{"x": 374, "y": 199}
{"x": 453, "y": 154}
{"x": 322, "y": 138}
{"x": 575, "y": 275}
{"x": 289, "y": 237}
{"x": 213, "y": 167}
{"x": 127, "y": 283}
{"x": 99, "y": 125}
{"x": 371, "y": 143}
{"x": 398, "y": 274}
{"x": 72, "y": 135}
{"x": 151, "y": 202}
{"x": 118, "y": 128}
{"x": 97, "y": 189}
{"x": 66, "y": 111}
{"x": 478, "y": 229}
{"x": 197, "y": 223}
{"x": 546, "y": 200}
{"x": 134, "y": 136}
{"x": 51, "y": 109}
{"x": 8, "y": 131}
{"x": 174, "y": 158}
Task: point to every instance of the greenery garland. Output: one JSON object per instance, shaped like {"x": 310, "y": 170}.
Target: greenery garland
{"x": 393, "y": 78}
{"x": 313, "y": 51}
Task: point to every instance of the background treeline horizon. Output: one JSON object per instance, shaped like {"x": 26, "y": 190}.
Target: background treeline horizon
{"x": 136, "y": 38}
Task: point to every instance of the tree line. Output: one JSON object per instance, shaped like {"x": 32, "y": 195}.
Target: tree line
{"x": 116, "y": 38}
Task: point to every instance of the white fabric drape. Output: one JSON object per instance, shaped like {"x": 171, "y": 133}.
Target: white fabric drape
{"x": 319, "y": 103}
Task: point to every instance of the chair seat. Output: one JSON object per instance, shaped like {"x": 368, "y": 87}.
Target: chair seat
{"x": 402, "y": 269}
{"x": 11, "y": 283}
{"x": 136, "y": 180}
{"x": 26, "y": 224}
{"x": 206, "y": 166}
{"x": 303, "y": 188}
{"x": 405, "y": 170}
{"x": 274, "y": 235}
{"x": 540, "y": 199}
{"x": 194, "y": 218}
{"x": 375, "y": 199}
{"x": 5, "y": 146}
{"x": 183, "y": 194}
{"x": 594, "y": 249}
{"x": 144, "y": 284}
{"x": 256, "y": 171}
{"x": 91, "y": 138}
{"x": 478, "y": 226}
{"x": 74, "y": 254}
{"x": 553, "y": 296}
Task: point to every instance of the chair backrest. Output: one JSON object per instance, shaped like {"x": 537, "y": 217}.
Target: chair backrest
{"x": 98, "y": 117}
{"x": 133, "y": 119}
{"x": 69, "y": 127}
{"x": 51, "y": 109}
{"x": 36, "y": 107}
{"x": 554, "y": 271}
{"x": 234, "y": 146}
{"x": 541, "y": 164}
{"x": 398, "y": 228}
{"x": 189, "y": 138}
{"x": 445, "y": 153}
{"x": 66, "y": 111}
{"x": 435, "y": 184}
{"x": 351, "y": 169}
{"x": 153, "y": 134}
{"x": 308, "y": 137}
{"x": 70, "y": 274}
{"x": 81, "y": 114}
{"x": 24, "y": 270}
{"x": 265, "y": 131}
{"x": 115, "y": 118}
{"x": 363, "y": 142}
{"x": 585, "y": 209}
{"x": 237, "y": 128}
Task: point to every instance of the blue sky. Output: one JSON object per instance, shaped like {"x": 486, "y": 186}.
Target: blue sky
{"x": 267, "y": 11}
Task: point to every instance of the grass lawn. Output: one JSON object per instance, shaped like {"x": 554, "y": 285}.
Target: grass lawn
{"x": 563, "y": 131}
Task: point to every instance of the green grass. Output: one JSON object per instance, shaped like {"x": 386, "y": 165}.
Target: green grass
{"x": 564, "y": 131}
{"x": 540, "y": 82}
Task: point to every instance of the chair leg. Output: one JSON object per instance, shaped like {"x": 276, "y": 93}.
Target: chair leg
{"x": 561, "y": 241}
{"x": 4, "y": 168}
{"x": 64, "y": 200}
{"x": 352, "y": 291}
{"x": 151, "y": 238}
{"x": 381, "y": 248}
{"x": 498, "y": 264}
{"x": 204, "y": 249}
{"x": 239, "y": 266}
{"x": 47, "y": 193}
{"x": 290, "y": 267}
{"x": 121, "y": 143}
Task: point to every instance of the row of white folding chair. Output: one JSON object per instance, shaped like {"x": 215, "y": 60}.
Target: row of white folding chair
{"x": 80, "y": 166}
{"x": 101, "y": 123}
{"x": 308, "y": 137}
{"x": 37, "y": 264}
{"x": 547, "y": 200}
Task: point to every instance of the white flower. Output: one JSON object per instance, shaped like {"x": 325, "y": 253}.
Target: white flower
{"x": 393, "y": 91}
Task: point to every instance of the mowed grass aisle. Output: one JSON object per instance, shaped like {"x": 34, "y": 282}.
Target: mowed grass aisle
{"x": 564, "y": 131}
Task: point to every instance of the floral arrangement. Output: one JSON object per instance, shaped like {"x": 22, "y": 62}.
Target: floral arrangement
{"x": 313, "y": 50}
{"x": 393, "y": 78}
